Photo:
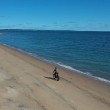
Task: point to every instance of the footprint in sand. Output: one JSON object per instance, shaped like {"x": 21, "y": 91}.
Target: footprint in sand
{"x": 4, "y": 77}
{"x": 10, "y": 93}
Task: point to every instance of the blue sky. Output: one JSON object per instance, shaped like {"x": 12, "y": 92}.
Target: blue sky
{"x": 82, "y": 15}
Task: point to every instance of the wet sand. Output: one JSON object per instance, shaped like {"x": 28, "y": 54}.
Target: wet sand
{"x": 26, "y": 84}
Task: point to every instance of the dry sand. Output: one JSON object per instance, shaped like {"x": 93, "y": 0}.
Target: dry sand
{"x": 26, "y": 84}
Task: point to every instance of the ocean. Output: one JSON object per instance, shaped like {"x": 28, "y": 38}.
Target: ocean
{"x": 85, "y": 52}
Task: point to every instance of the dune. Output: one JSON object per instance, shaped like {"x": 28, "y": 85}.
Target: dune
{"x": 26, "y": 84}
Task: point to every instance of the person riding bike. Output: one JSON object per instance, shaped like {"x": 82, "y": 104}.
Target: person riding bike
{"x": 55, "y": 74}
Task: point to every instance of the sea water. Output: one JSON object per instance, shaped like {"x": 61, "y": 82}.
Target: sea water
{"x": 85, "y": 52}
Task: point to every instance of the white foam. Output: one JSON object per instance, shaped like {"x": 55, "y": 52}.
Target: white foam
{"x": 85, "y": 73}
{"x": 70, "y": 68}
{"x": 102, "y": 79}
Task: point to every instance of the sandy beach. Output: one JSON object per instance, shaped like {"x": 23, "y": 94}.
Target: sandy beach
{"x": 26, "y": 84}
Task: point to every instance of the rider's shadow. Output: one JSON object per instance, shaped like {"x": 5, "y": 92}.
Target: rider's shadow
{"x": 49, "y": 78}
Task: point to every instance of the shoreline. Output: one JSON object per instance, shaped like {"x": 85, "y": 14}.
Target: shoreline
{"x": 66, "y": 67}
{"x": 30, "y": 80}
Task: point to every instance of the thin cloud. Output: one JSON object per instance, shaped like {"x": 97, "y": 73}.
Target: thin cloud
{"x": 2, "y": 16}
{"x": 107, "y": 26}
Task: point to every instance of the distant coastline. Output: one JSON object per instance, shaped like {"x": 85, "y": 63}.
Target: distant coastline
{"x": 49, "y": 30}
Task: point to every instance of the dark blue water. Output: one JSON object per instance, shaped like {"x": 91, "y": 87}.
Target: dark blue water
{"x": 88, "y": 52}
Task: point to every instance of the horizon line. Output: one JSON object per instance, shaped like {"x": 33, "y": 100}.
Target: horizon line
{"x": 54, "y": 30}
